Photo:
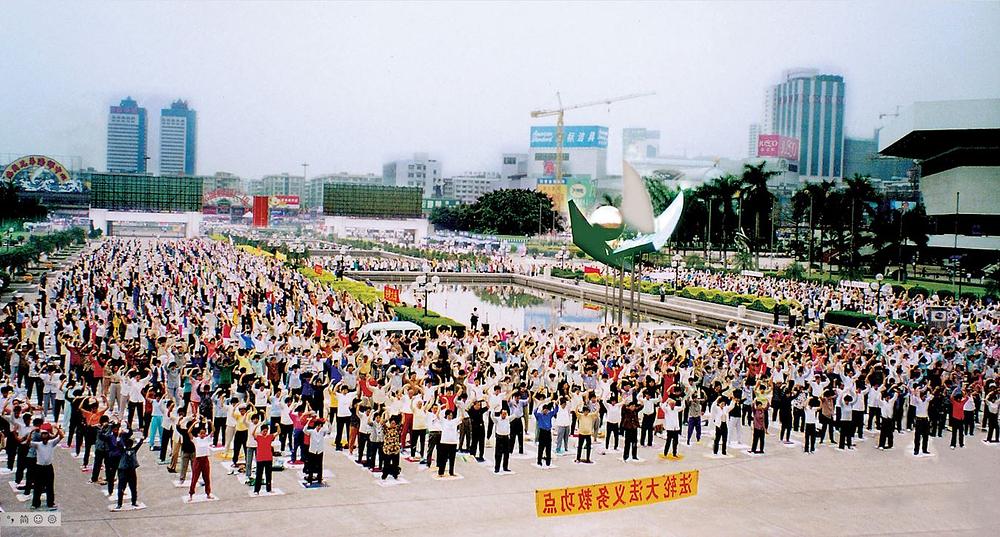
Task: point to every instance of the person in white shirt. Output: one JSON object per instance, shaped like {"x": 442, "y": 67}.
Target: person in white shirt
{"x": 612, "y": 420}
{"x": 671, "y": 424}
{"x": 718, "y": 415}
{"x": 811, "y": 418}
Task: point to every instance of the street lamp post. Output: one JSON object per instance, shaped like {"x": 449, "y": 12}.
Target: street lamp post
{"x": 676, "y": 263}
{"x": 877, "y": 286}
{"x": 426, "y": 284}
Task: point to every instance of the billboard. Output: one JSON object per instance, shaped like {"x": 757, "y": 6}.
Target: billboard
{"x": 774, "y": 145}
{"x": 372, "y": 201}
{"x": 261, "y": 211}
{"x": 284, "y": 202}
{"x": 573, "y": 136}
{"x": 148, "y": 193}
{"x": 555, "y": 190}
{"x": 580, "y": 189}
{"x": 38, "y": 173}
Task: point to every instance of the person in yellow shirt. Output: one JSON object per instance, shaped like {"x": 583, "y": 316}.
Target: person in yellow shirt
{"x": 242, "y": 414}
{"x": 585, "y": 421}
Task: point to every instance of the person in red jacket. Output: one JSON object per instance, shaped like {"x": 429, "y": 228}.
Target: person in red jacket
{"x": 958, "y": 400}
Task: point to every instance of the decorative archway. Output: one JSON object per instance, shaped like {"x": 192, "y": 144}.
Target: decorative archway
{"x": 38, "y": 173}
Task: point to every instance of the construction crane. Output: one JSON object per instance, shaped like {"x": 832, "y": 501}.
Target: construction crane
{"x": 558, "y": 112}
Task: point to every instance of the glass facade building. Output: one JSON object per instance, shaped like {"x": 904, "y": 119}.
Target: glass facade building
{"x": 810, "y": 107}
{"x": 127, "y": 131}
{"x": 178, "y": 139}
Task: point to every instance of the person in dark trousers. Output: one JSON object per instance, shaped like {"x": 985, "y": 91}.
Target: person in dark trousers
{"x": 958, "y": 400}
{"x": 759, "y": 415}
{"x": 477, "y": 430}
{"x": 265, "y": 459}
{"x": 116, "y": 448}
{"x": 630, "y": 429}
{"x": 44, "y": 478}
{"x": 886, "y": 403}
{"x": 127, "y": 465}
{"x": 503, "y": 446}
{"x": 920, "y": 400}
{"x": 543, "y": 418}
{"x": 101, "y": 443}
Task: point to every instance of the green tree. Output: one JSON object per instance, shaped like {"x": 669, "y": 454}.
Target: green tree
{"x": 758, "y": 203}
{"x": 503, "y": 212}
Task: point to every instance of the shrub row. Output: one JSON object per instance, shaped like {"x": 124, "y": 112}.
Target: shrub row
{"x": 430, "y": 322}
{"x": 857, "y": 318}
{"x": 730, "y": 298}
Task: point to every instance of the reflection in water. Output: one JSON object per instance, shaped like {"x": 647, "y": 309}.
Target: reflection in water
{"x": 513, "y": 307}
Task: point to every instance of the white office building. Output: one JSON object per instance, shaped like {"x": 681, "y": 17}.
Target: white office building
{"x": 420, "y": 171}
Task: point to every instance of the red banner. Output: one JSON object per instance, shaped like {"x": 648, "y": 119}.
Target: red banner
{"x": 390, "y": 294}
{"x": 773, "y": 145}
{"x": 591, "y": 270}
{"x": 318, "y": 269}
{"x": 261, "y": 210}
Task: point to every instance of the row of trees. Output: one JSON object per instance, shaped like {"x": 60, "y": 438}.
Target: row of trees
{"x": 503, "y": 212}
{"x": 849, "y": 224}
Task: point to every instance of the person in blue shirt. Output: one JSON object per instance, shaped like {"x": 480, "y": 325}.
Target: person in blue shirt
{"x": 543, "y": 417}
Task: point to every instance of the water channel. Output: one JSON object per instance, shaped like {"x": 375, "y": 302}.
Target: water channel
{"x": 515, "y": 307}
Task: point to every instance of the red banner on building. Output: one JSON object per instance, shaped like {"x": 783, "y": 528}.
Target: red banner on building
{"x": 261, "y": 210}
{"x": 390, "y": 294}
{"x": 773, "y": 145}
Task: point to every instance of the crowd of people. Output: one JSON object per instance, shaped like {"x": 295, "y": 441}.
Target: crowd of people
{"x": 201, "y": 351}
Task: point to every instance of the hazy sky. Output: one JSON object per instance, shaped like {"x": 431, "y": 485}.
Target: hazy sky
{"x": 347, "y": 86}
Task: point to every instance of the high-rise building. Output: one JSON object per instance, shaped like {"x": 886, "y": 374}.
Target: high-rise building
{"x": 640, "y": 143}
{"x": 178, "y": 139}
{"x": 752, "y": 141}
{"x": 956, "y": 143}
{"x": 861, "y": 157}
{"x": 421, "y": 171}
{"x": 469, "y": 186}
{"x": 584, "y": 162}
{"x": 513, "y": 170}
{"x": 127, "y": 137}
{"x": 809, "y": 106}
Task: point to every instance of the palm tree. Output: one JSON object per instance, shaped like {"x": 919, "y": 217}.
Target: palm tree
{"x": 810, "y": 204}
{"x": 861, "y": 199}
{"x": 759, "y": 200}
{"x": 721, "y": 191}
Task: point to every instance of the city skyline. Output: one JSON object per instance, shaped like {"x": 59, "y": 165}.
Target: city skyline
{"x": 265, "y": 109}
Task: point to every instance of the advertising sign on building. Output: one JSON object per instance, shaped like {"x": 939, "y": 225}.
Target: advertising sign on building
{"x": 261, "y": 211}
{"x": 774, "y": 145}
{"x": 573, "y": 136}
{"x": 555, "y": 190}
{"x": 580, "y": 189}
{"x": 284, "y": 202}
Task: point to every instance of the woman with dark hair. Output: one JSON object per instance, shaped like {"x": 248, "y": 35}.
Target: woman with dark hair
{"x": 391, "y": 445}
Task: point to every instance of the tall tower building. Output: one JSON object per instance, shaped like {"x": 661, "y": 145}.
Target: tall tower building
{"x": 178, "y": 136}
{"x": 752, "y": 141}
{"x": 810, "y": 107}
{"x": 127, "y": 137}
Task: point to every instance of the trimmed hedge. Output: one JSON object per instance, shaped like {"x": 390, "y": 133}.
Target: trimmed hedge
{"x": 918, "y": 290}
{"x": 762, "y": 304}
{"x": 367, "y": 295}
{"x": 857, "y": 318}
{"x": 431, "y": 322}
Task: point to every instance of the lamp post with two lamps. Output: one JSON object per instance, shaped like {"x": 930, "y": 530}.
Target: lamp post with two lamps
{"x": 426, "y": 284}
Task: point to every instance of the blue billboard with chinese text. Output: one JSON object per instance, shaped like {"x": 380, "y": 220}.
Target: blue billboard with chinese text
{"x": 573, "y": 136}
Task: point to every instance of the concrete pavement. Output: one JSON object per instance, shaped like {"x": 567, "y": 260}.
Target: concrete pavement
{"x": 785, "y": 492}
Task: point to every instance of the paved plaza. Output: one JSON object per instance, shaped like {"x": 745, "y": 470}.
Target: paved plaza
{"x": 784, "y": 492}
